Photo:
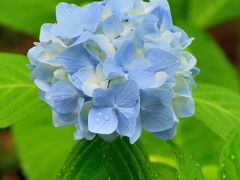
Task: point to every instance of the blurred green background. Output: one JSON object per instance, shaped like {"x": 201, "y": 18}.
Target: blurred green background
{"x": 27, "y": 146}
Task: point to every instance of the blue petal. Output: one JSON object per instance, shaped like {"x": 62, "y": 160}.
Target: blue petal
{"x": 82, "y": 126}
{"x": 164, "y": 18}
{"x": 75, "y": 58}
{"x": 69, "y": 18}
{"x": 183, "y": 106}
{"x": 127, "y": 118}
{"x": 138, "y": 131}
{"x": 140, "y": 71}
{"x": 102, "y": 120}
{"x": 112, "y": 27}
{"x": 45, "y": 33}
{"x": 111, "y": 68}
{"x": 61, "y": 120}
{"x": 121, "y": 7}
{"x": 125, "y": 53}
{"x": 156, "y": 112}
{"x": 182, "y": 86}
{"x": 100, "y": 39}
{"x": 62, "y": 97}
{"x": 167, "y": 134}
{"x": 103, "y": 98}
{"x": 163, "y": 61}
{"x": 43, "y": 72}
{"x": 127, "y": 93}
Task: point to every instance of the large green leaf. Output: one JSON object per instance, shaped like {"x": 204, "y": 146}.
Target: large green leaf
{"x": 163, "y": 172}
{"x": 230, "y": 160}
{"x": 101, "y": 160}
{"x": 215, "y": 67}
{"x": 218, "y": 108}
{"x": 18, "y": 95}
{"x": 187, "y": 167}
{"x": 28, "y": 15}
{"x": 42, "y": 149}
{"x": 209, "y": 12}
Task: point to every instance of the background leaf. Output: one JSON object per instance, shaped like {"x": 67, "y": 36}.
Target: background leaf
{"x": 230, "y": 160}
{"x": 218, "y": 108}
{"x": 18, "y": 95}
{"x": 42, "y": 149}
{"x": 206, "y": 13}
{"x": 117, "y": 160}
{"x": 163, "y": 172}
{"x": 187, "y": 167}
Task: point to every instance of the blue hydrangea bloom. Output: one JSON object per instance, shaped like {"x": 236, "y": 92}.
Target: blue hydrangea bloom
{"x": 114, "y": 68}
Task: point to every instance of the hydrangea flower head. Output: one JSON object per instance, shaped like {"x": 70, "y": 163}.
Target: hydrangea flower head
{"x": 114, "y": 68}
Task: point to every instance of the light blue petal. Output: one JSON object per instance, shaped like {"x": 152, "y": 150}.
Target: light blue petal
{"x": 195, "y": 71}
{"x": 127, "y": 118}
{"x": 156, "y": 112}
{"x": 62, "y": 97}
{"x": 182, "y": 86}
{"x": 183, "y": 106}
{"x": 102, "y": 120}
{"x": 75, "y": 58}
{"x": 69, "y": 18}
{"x": 163, "y": 61}
{"x": 45, "y": 33}
{"x": 43, "y": 72}
{"x": 112, "y": 69}
{"x": 140, "y": 71}
{"x": 100, "y": 39}
{"x": 164, "y": 18}
{"x": 61, "y": 120}
{"x": 121, "y": 7}
{"x": 138, "y": 131}
{"x": 82, "y": 126}
{"x": 112, "y": 27}
{"x": 103, "y": 98}
{"x": 167, "y": 134}
{"x": 81, "y": 76}
{"x": 127, "y": 93}
{"x": 125, "y": 53}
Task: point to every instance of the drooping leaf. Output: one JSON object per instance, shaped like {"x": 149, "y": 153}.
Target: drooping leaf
{"x": 205, "y": 13}
{"x": 101, "y": 160}
{"x": 163, "y": 172}
{"x": 187, "y": 167}
{"x": 42, "y": 149}
{"x": 18, "y": 96}
{"x": 192, "y": 132}
{"x": 230, "y": 158}
{"x": 215, "y": 67}
{"x": 218, "y": 108}
{"x": 28, "y": 15}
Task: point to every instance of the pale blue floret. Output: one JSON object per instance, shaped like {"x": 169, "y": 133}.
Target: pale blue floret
{"x": 125, "y": 64}
{"x": 75, "y": 58}
{"x": 114, "y": 68}
{"x": 115, "y": 109}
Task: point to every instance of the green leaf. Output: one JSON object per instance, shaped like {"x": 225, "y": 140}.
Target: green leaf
{"x": 17, "y": 94}
{"x": 42, "y": 149}
{"x": 215, "y": 67}
{"x": 187, "y": 167}
{"x": 230, "y": 158}
{"x": 218, "y": 108}
{"x": 206, "y": 13}
{"x": 101, "y": 160}
{"x": 192, "y": 132}
{"x": 163, "y": 172}
{"x": 28, "y": 15}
